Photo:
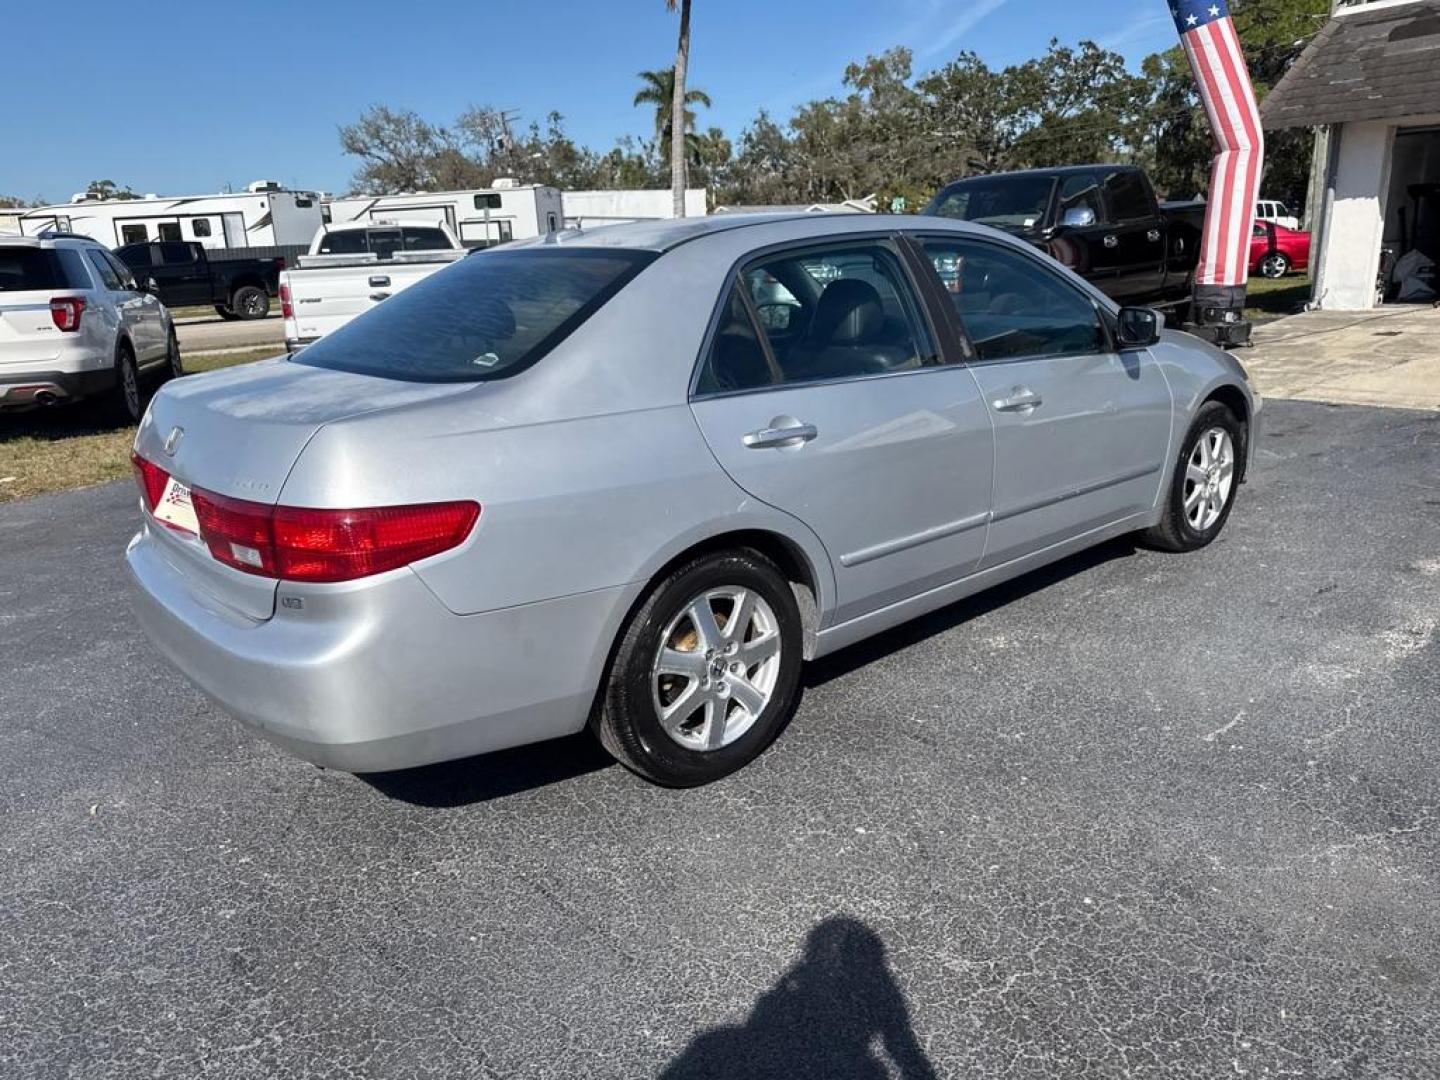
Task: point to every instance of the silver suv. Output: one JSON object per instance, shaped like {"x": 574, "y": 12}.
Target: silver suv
{"x": 74, "y": 323}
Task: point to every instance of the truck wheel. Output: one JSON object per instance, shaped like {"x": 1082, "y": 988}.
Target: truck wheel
{"x": 225, "y": 313}
{"x": 128, "y": 401}
{"x": 1274, "y": 266}
{"x": 250, "y": 302}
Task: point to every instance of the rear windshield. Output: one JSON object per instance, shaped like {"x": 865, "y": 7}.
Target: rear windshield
{"x": 490, "y": 315}
{"x": 23, "y": 269}
{"x": 1005, "y": 202}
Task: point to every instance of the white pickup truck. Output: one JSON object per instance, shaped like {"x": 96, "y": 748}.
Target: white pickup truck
{"x": 350, "y": 268}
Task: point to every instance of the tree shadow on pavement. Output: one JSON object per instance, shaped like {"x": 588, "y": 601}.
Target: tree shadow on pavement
{"x": 837, "y": 1014}
{"x": 822, "y": 671}
{"x": 453, "y": 784}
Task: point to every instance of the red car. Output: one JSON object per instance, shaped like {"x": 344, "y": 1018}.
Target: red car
{"x": 1276, "y": 250}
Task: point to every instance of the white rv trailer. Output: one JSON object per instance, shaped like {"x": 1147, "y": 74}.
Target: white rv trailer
{"x": 481, "y": 217}
{"x": 591, "y": 209}
{"x": 265, "y": 215}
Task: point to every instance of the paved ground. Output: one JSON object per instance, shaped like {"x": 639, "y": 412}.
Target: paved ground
{"x": 1138, "y": 815}
{"x": 212, "y": 333}
{"x": 1386, "y": 357}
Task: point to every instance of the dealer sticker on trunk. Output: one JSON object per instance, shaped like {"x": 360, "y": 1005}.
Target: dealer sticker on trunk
{"x": 176, "y": 510}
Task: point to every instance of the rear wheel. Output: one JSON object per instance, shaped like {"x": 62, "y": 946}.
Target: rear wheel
{"x": 1274, "y": 266}
{"x": 250, "y": 302}
{"x": 174, "y": 367}
{"x": 707, "y": 671}
{"x": 1204, "y": 483}
{"x": 225, "y": 313}
{"x": 128, "y": 403}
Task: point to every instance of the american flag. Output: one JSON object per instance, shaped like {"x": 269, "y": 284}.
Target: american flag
{"x": 1209, "y": 38}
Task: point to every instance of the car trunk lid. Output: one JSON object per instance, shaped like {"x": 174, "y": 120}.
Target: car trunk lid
{"x": 238, "y": 433}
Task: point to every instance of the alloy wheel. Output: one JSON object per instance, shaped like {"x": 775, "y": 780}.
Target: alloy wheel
{"x": 1209, "y": 479}
{"x": 130, "y": 386}
{"x": 1274, "y": 266}
{"x": 716, "y": 668}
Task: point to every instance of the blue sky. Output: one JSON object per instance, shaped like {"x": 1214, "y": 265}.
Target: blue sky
{"x": 183, "y": 97}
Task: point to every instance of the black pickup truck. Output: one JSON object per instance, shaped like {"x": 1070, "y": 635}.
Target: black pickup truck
{"x": 1102, "y": 221}
{"x": 185, "y": 275}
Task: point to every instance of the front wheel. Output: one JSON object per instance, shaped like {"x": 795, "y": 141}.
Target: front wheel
{"x": 1274, "y": 266}
{"x": 707, "y": 671}
{"x": 1203, "y": 486}
{"x": 250, "y": 302}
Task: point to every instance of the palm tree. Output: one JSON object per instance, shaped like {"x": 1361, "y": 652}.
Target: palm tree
{"x": 680, "y": 99}
{"x": 659, "y": 90}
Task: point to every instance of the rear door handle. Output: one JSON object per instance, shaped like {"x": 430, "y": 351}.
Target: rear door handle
{"x": 1020, "y": 400}
{"x": 781, "y": 437}
{"x": 378, "y": 296}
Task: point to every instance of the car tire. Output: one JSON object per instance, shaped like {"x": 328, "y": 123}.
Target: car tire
{"x": 1204, "y": 482}
{"x": 686, "y": 702}
{"x": 174, "y": 366}
{"x": 250, "y": 302}
{"x": 225, "y": 313}
{"x": 1274, "y": 266}
{"x": 128, "y": 402}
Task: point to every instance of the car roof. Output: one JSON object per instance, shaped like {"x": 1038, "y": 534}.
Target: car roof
{"x": 47, "y": 240}
{"x": 668, "y": 234}
{"x": 1059, "y": 170}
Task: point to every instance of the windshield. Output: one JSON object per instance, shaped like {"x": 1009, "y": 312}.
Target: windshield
{"x": 490, "y": 315}
{"x": 1005, "y": 202}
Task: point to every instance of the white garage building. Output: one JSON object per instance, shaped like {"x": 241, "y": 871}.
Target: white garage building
{"x": 1369, "y": 83}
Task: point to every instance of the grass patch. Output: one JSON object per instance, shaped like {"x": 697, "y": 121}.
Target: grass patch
{"x": 1266, "y": 299}
{"x": 74, "y": 446}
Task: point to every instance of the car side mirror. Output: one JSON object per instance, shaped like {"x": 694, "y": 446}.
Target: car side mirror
{"x": 1078, "y": 217}
{"x": 1139, "y": 327}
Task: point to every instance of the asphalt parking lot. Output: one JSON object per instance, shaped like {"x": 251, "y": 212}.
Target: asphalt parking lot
{"x": 1135, "y": 815}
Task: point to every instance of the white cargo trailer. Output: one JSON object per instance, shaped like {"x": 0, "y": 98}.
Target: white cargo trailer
{"x": 480, "y": 217}
{"x": 264, "y": 216}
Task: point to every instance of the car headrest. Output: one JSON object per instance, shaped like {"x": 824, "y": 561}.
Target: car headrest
{"x": 849, "y": 312}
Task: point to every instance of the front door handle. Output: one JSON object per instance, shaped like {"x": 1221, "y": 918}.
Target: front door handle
{"x": 1112, "y": 241}
{"x": 780, "y": 436}
{"x": 1153, "y": 236}
{"x": 1020, "y": 400}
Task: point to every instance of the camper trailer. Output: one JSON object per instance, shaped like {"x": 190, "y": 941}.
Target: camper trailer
{"x": 481, "y": 217}
{"x": 265, "y": 215}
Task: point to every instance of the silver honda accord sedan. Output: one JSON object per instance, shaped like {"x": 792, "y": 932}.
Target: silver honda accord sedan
{"x": 633, "y": 478}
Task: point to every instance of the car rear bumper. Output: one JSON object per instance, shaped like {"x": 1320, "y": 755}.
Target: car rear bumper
{"x": 379, "y": 675}
{"x": 20, "y": 389}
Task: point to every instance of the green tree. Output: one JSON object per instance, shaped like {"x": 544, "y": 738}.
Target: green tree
{"x": 658, "y": 90}
{"x": 680, "y": 97}
{"x": 108, "y": 189}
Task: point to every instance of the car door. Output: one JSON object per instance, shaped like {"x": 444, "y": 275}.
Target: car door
{"x": 1081, "y": 431}
{"x": 183, "y": 274}
{"x": 138, "y": 313}
{"x": 824, "y": 394}
{"x": 1134, "y": 239}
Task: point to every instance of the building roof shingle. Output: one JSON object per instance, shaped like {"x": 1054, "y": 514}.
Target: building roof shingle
{"x": 1366, "y": 65}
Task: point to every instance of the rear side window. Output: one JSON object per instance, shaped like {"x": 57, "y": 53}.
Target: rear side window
{"x": 25, "y": 269}
{"x": 345, "y": 242}
{"x": 1126, "y": 196}
{"x": 426, "y": 240}
{"x": 488, "y": 316}
{"x": 105, "y": 270}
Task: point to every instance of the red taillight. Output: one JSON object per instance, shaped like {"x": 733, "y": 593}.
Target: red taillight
{"x": 65, "y": 312}
{"x": 300, "y": 544}
{"x": 151, "y": 478}
{"x": 287, "y": 309}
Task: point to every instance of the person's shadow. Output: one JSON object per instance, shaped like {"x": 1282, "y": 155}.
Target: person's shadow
{"x": 837, "y": 1015}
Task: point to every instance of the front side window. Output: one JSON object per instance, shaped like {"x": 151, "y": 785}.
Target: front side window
{"x": 1081, "y": 191}
{"x": 104, "y": 269}
{"x": 137, "y": 256}
{"x": 488, "y": 316}
{"x": 841, "y": 312}
{"x": 127, "y": 279}
{"x": 1004, "y": 202}
{"x": 1012, "y": 306}
{"x": 176, "y": 254}
{"x": 1126, "y": 196}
